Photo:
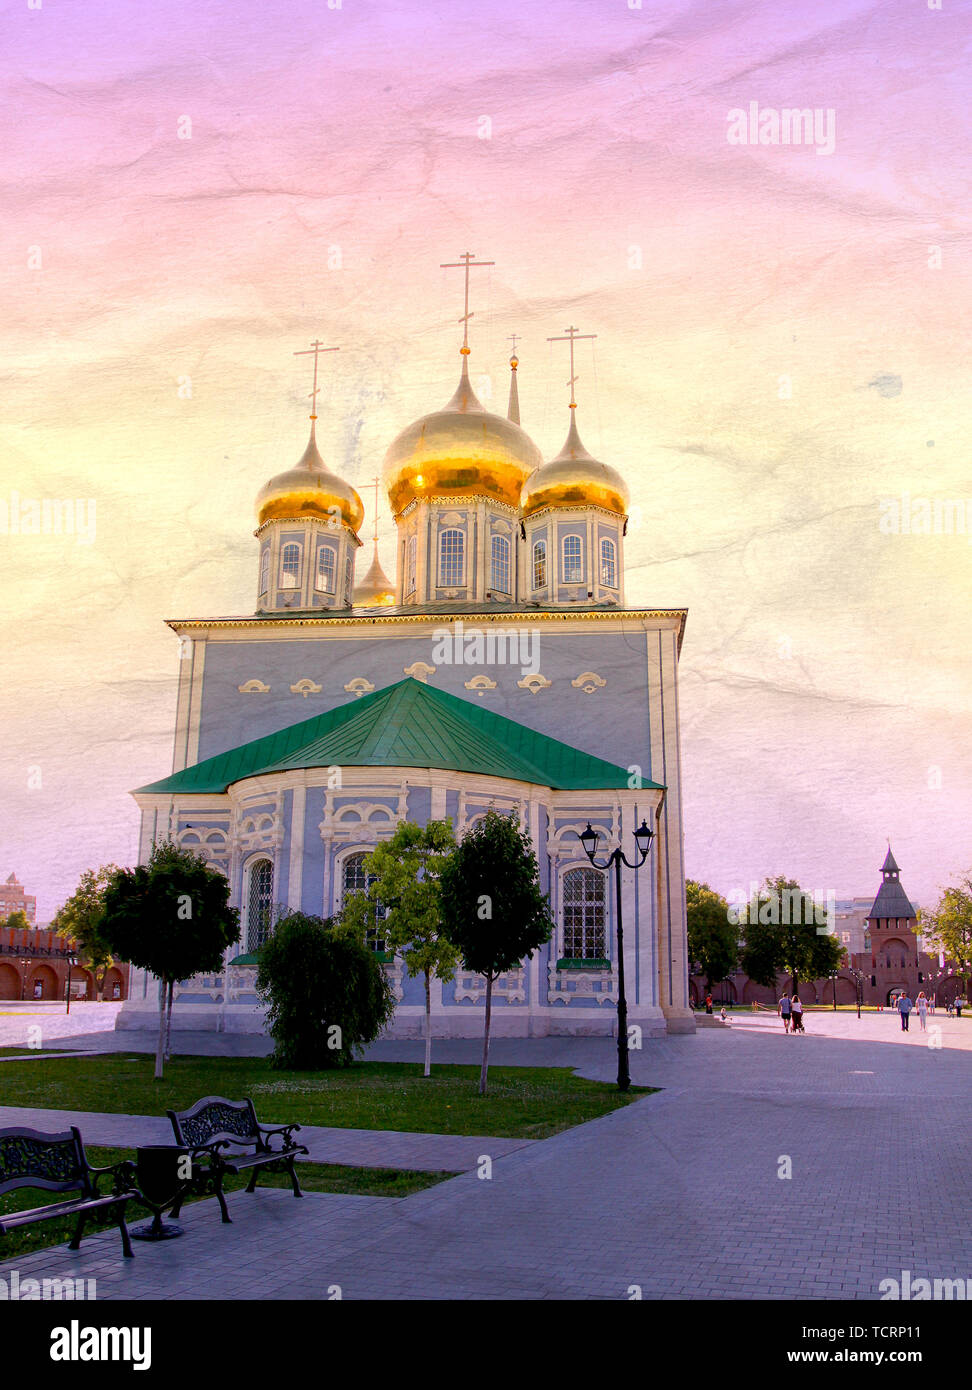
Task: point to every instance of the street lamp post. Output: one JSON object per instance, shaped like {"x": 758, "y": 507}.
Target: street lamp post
{"x": 25, "y": 963}
{"x": 72, "y": 962}
{"x": 643, "y": 838}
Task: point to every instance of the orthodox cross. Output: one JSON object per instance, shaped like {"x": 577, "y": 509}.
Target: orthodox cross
{"x": 571, "y": 335}
{"x": 316, "y": 347}
{"x": 464, "y": 262}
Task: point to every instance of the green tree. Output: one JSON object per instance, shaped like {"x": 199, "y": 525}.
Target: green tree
{"x": 18, "y": 920}
{"x": 80, "y": 920}
{"x": 172, "y": 918}
{"x": 948, "y": 926}
{"x": 407, "y": 870}
{"x": 713, "y": 937}
{"x": 493, "y": 910}
{"x": 785, "y": 933}
{"x": 326, "y": 993}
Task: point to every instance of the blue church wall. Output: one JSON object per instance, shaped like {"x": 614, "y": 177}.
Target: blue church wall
{"x": 312, "y": 885}
{"x": 611, "y": 723}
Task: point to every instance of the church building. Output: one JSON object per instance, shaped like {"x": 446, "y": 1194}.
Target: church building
{"x": 502, "y": 668}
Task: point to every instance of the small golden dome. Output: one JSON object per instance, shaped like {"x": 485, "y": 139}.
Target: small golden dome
{"x": 460, "y": 450}
{"x": 309, "y": 489}
{"x": 376, "y": 590}
{"x": 574, "y": 479}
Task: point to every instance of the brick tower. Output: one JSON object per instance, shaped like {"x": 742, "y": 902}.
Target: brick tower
{"x": 890, "y": 937}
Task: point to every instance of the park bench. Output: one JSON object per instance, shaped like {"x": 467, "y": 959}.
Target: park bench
{"x": 224, "y": 1137}
{"x": 58, "y": 1163}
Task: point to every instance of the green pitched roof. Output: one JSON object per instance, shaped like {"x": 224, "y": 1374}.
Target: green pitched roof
{"x": 406, "y": 725}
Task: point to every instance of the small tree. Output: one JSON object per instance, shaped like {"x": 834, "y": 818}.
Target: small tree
{"x": 407, "y": 871}
{"x": 774, "y": 945}
{"x": 80, "y": 920}
{"x": 493, "y": 910}
{"x": 948, "y": 926}
{"x": 713, "y": 937}
{"x": 327, "y": 994}
{"x": 170, "y": 917}
{"x": 18, "y": 920}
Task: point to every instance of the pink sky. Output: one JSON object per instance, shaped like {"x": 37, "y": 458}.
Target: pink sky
{"x": 826, "y": 668}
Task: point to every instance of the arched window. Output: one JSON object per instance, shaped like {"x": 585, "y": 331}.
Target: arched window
{"x": 326, "y": 569}
{"x": 265, "y": 570}
{"x": 452, "y": 549}
{"x": 584, "y": 929}
{"x": 609, "y": 567}
{"x": 356, "y": 880}
{"x": 259, "y": 904}
{"x": 540, "y": 564}
{"x": 348, "y": 568}
{"x": 573, "y": 567}
{"x": 290, "y": 566}
{"x": 410, "y": 550}
{"x": 499, "y": 579}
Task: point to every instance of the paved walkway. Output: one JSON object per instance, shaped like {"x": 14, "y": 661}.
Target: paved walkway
{"x": 680, "y": 1194}
{"x": 357, "y": 1148}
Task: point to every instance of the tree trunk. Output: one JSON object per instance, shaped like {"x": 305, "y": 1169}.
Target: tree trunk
{"x": 489, "y": 1007}
{"x": 160, "y": 1047}
{"x": 168, "y": 1020}
{"x": 428, "y": 1026}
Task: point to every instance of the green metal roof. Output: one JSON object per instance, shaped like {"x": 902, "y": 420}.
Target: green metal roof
{"x": 406, "y": 725}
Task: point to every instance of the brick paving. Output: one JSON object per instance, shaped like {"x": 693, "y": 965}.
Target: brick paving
{"x": 678, "y": 1194}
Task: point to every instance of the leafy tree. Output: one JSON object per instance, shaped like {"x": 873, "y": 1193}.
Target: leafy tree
{"x": 948, "y": 926}
{"x": 327, "y": 994}
{"x": 407, "y": 870}
{"x": 775, "y": 943}
{"x": 80, "y": 920}
{"x": 170, "y": 917}
{"x": 713, "y": 937}
{"x": 493, "y": 910}
{"x": 18, "y": 919}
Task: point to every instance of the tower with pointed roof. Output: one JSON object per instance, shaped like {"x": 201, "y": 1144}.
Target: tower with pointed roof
{"x": 891, "y": 937}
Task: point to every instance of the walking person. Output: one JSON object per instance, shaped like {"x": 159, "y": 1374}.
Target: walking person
{"x": 921, "y": 1004}
{"x": 785, "y": 1012}
{"x": 796, "y": 1008}
{"x": 904, "y": 1006}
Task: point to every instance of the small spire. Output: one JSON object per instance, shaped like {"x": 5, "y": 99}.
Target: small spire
{"x": 513, "y": 413}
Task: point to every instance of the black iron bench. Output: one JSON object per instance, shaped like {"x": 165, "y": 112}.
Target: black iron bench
{"x": 58, "y": 1163}
{"x": 224, "y": 1137}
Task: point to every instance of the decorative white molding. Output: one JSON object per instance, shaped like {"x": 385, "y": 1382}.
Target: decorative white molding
{"x": 395, "y": 970}
{"x": 593, "y": 986}
{"x": 305, "y": 687}
{"x": 589, "y": 681}
{"x": 421, "y": 670}
{"x": 359, "y": 686}
{"x": 253, "y": 687}
{"x": 534, "y": 683}
{"x": 501, "y": 524}
{"x": 479, "y": 684}
{"x": 451, "y": 519}
{"x": 509, "y": 986}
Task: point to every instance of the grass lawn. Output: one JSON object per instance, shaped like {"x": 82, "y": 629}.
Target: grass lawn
{"x": 314, "y": 1177}
{"x": 522, "y": 1102}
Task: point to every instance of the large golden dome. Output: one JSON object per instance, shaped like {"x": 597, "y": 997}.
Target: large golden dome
{"x": 574, "y": 479}
{"x": 460, "y": 450}
{"x": 309, "y": 489}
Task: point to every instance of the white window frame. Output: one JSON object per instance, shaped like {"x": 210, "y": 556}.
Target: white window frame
{"x": 505, "y": 564}
{"x": 411, "y": 551}
{"x": 251, "y": 864}
{"x": 288, "y": 580}
{"x": 607, "y": 543}
{"x": 265, "y": 570}
{"x": 565, "y": 571}
{"x": 541, "y": 546}
{"x": 326, "y": 588}
{"x": 605, "y": 905}
{"x": 444, "y": 581}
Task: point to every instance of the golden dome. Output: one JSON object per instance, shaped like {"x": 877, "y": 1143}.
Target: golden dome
{"x": 574, "y": 479}
{"x": 460, "y": 450}
{"x": 309, "y": 490}
{"x": 376, "y": 590}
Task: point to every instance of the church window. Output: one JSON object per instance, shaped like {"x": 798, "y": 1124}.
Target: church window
{"x": 259, "y": 907}
{"x": 499, "y": 579}
{"x": 265, "y": 570}
{"x": 357, "y": 880}
{"x": 609, "y": 568}
{"x": 573, "y": 560}
{"x": 539, "y": 564}
{"x": 290, "y": 566}
{"x": 327, "y": 569}
{"x": 411, "y": 547}
{"x": 452, "y": 548}
{"x": 348, "y": 567}
{"x": 584, "y": 930}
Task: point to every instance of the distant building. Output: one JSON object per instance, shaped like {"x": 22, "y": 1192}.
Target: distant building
{"x": 36, "y": 965}
{"x": 14, "y": 899}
